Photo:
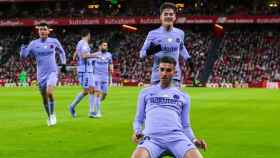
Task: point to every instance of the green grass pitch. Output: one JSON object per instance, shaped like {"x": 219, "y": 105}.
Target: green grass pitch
{"x": 236, "y": 123}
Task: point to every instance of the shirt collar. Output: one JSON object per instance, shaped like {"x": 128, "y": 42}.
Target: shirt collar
{"x": 163, "y": 29}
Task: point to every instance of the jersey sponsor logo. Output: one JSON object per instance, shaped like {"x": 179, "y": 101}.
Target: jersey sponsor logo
{"x": 169, "y": 49}
{"x": 101, "y": 62}
{"x": 166, "y": 101}
{"x": 45, "y": 53}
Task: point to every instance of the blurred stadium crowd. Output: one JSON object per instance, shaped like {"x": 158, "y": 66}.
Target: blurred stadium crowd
{"x": 246, "y": 56}
{"x": 78, "y": 9}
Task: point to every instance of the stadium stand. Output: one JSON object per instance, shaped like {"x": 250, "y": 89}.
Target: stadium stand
{"x": 248, "y": 53}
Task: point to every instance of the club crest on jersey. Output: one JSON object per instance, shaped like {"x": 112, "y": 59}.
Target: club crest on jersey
{"x": 51, "y": 46}
{"x": 176, "y": 96}
{"x": 177, "y": 40}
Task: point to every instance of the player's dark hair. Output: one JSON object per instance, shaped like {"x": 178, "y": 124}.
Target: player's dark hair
{"x": 167, "y": 59}
{"x": 85, "y": 32}
{"x": 167, "y": 5}
{"x": 43, "y": 24}
{"x": 101, "y": 42}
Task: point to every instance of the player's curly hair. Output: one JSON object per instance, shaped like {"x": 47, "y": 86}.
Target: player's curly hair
{"x": 167, "y": 5}
{"x": 43, "y": 24}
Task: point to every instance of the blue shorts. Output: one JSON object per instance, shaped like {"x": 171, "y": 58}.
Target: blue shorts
{"x": 86, "y": 79}
{"x": 156, "y": 147}
{"x": 50, "y": 79}
{"x": 101, "y": 86}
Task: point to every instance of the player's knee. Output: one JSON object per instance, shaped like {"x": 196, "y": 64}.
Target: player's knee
{"x": 49, "y": 93}
{"x": 193, "y": 153}
{"x": 98, "y": 94}
{"x": 86, "y": 91}
{"x": 140, "y": 153}
{"x": 91, "y": 91}
{"x": 49, "y": 90}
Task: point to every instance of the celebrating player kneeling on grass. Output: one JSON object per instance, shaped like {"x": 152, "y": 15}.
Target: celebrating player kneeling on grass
{"x": 44, "y": 49}
{"x": 164, "y": 111}
{"x": 103, "y": 69}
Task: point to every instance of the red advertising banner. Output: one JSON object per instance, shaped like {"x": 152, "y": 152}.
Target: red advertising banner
{"x": 145, "y": 20}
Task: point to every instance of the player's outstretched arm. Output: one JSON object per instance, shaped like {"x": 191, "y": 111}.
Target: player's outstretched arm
{"x": 199, "y": 143}
{"x": 62, "y": 57}
{"x": 61, "y": 53}
{"x": 22, "y": 51}
{"x": 185, "y": 116}
{"x": 139, "y": 118}
{"x": 26, "y": 50}
{"x": 153, "y": 49}
{"x": 89, "y": 55}
{"x": 149, "y": 47}
{"x": 183, "y": 50}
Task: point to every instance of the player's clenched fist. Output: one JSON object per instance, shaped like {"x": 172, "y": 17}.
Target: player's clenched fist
{"x": 136, "y": 138}
{"x": 200, "y": 143}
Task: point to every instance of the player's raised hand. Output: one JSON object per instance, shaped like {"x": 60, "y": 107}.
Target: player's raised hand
{"x": 153, "y": 49}
{"x": 136, "y": 138}
{"x": 201, "y": 144}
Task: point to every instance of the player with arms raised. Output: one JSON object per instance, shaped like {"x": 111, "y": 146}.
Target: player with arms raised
{"x": 166, "y": 40}
{"x": 44, "y": 50}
